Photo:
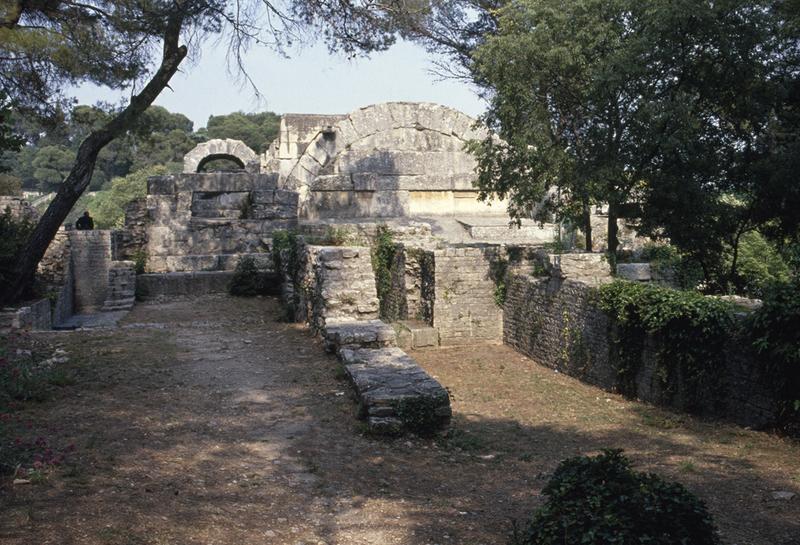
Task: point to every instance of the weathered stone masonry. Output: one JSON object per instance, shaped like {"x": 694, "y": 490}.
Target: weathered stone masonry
{"x": 555, "y": 322}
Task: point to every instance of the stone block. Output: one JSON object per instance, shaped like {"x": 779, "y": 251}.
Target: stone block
{"x": 634, "y": 271}
{"x": 390, "y": 384}
{"x": 161, "y": 185}
{"x": 349, "y": 334}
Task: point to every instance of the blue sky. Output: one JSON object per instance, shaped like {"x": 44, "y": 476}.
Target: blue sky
{"x": 311, "y": 81}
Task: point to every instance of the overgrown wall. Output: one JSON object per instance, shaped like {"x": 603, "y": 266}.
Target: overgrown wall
{"x": 555, "y": 322}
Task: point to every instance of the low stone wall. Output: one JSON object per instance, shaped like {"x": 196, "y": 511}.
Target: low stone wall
{"x": 121, "y": 291}
{"x": 555, "y": 322}
{"x": 55, "y": 273}
{"x": 34, "y": 316}
{"x": 165, "y": 286}
{"x": 20, "y": 208}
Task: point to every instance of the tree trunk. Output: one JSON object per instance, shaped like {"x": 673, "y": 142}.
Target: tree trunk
{"x": 587, "y": 226}
{"x": 81, "y": 174}
{"x": 613, "y": 230}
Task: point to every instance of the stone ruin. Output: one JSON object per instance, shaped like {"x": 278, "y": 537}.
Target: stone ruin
{"x": 457, "y": 272}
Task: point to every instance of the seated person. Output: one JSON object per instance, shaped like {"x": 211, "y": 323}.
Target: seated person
{"x": 85, "y": 222}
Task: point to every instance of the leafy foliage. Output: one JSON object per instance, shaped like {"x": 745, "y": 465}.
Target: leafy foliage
{"x": 10, "y": 185}
{"x": 601, "y": 501}
{"x": 247, "y": 280}
{"x": 284, "y": 246}
{"x": 690, "y": 331}
{"x": 775, "y": 330}
{"x": 255, "y": 130}
{"x": 669, "y": 262}
{"x": 759, "y": 266}
{"x": 13, "y": 235}
{"x": 383, "y": 254}
{"x": 691, "y": 113}
{"x": 108, "y": 206}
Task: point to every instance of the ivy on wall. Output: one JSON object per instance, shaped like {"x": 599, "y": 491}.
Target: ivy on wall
{"x": 689, "y": 331}
{"x": 383, "y": 254}
{"x": 775, "y": 332}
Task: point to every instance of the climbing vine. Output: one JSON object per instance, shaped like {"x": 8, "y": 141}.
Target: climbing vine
{"x": 690, "y": 333}
{"x": 383, "y": 254}
{"x": 284, "y": 240}
{"x": 498, "y": 272}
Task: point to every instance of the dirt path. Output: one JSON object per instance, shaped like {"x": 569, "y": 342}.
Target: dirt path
{"x": 211, "y": 422}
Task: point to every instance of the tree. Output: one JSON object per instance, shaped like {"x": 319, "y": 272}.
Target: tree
{"x": 663, "y": 104}
{"x": 9, "y": 141}
{"x": 108, "y": 206}
{"x": 256, "y": 130}
{"x": 47, "y": 46}
{"x": 51, "y": 165}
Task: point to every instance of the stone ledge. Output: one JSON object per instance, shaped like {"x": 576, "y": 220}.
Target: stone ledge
{"x": 352, "y": 334}
{"x": 385, "y": 380}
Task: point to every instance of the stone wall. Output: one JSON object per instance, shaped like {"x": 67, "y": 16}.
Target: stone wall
{"x": 130, "y": 243}
{"x": 19, "y": 208}
{"x": 554, "y": 321}
{"x": 385, "y": 160}
{"x": 465, "y": 308}
{"x": 206, "y": 221}
{"x": 91, "y": 261}
{"x": 121, "y": 287}
{"x": 55, "y": 274}
{"x": 321, "y": 283}
{"x": 34, "y": 316}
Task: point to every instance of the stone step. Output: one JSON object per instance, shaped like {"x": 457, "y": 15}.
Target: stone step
{"x": 395, "y": 394}
{"x": 118, "y": 304}
{"x": 415, "y": 334}
{"x": 350, "y": 334}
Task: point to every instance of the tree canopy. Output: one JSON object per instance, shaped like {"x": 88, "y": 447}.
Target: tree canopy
{"x": 682, "y": 108}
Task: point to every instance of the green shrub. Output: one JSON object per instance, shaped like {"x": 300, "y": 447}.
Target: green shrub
{"x": 13, "y": 235}
{"x": 759, "y": 266}
{"x": 668, "y": 262}
{"x": 10, "y": 185}
{"x": 383, "y": 254}
{"x": 775, "y": 330}
{"x": 690, "y": 332}
{"x": 284, "y": 242}
{"x": 602, "y": 501}
{"x": 247, "y": 279}
{"x": 139, "y": 258}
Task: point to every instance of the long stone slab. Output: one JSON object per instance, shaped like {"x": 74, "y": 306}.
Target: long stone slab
{"x": 394, "y": 393}
{"x": 352, "y": 334}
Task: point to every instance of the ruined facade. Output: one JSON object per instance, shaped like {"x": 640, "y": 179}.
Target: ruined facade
{"x": 392, "y": 163}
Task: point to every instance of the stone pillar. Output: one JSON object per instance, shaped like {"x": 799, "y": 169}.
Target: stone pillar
{"x": 91, "y": 260}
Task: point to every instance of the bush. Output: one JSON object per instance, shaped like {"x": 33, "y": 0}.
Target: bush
{"x": 247, "y": 279}
{"x": 602, "y": 501}
{"x": 10, "y": 185}
{"x": 690, "y": 330}
{"x": 13, "y": 235}
{"x": 668, "y": 262}
{"x": 775, "y": 330}
{"x": 759, "y": 266}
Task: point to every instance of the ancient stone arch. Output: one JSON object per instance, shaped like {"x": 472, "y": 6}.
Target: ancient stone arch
{"x": 370, "y": 126}
{"x": 234, "y": 150}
